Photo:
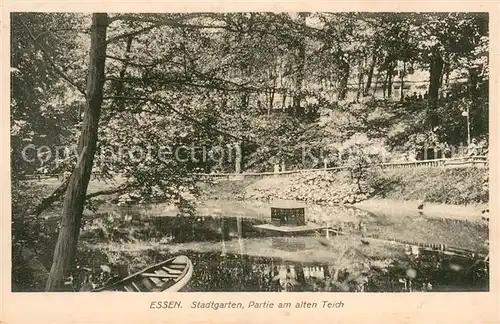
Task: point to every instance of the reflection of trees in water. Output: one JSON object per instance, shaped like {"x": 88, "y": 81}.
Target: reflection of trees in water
{"x": 351, "y": 271}
{"x": 245, "y": 273}
{"x": 441, "y": 272}
{"x": 120, "y": 227}
{"x": 213, "y": 272}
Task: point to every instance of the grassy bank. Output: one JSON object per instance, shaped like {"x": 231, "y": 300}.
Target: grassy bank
{"x": 456, "y": 186}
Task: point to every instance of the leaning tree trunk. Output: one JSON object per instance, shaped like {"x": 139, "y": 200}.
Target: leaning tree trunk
{"x": 74, "y": 200}
{"x": 436, "y": 70}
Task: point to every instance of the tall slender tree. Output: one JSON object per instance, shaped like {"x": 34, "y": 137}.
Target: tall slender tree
{"x": 74, "y": 200}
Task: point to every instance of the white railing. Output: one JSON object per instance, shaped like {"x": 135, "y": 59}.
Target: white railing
{"x": 449, "y": 162}
{"x": 471, "y": 161}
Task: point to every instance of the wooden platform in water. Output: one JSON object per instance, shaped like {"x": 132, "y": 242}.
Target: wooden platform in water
{"x": 309, "y": 227}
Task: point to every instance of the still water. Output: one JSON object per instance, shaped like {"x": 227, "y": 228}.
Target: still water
{"x": 230, "y": 254}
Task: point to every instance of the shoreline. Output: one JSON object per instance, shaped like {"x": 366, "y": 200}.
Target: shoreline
{"x": 255, "y": 208}
{"x": 472, "y": 212}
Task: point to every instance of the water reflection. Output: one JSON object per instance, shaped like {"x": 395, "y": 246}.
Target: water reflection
{"x": 120, "y": 227}
{"x": 230, "y": 254}
{"x": 246, "y": 273}
{"x": 148, "y": 223}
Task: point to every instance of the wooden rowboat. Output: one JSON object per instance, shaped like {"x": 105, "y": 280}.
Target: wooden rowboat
{"x": 170, "y": 275}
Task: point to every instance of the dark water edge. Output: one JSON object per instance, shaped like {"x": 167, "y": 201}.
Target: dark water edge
{"x": 214, "y": 272}
{"x": 233, "y": 273}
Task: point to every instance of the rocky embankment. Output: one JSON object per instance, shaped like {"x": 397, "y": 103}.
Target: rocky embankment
{"x": 437, "y": 186}
{"x": 319, "y": 188}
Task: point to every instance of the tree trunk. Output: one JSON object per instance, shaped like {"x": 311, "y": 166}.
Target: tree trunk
{"x": 244, "y": 100}
{"x": 472, "y": 82}
{"x": 384, "y": 85}
{"x": 370, "y": 75}
{"x": 301, "y": 58}
{"x": 447, "y": 78}
{"x": 342, "y": 90}
{"x": 271, "y": 94}
{"x": 360, "y": 82}
{"x": 377, "y": 79}
{"x": 389, "y": 82}
{"x": 436, "y": 70}
{"x": 271, "y": 98}
{"x": 476, "y": 120}
{"x": 403, "y": 72}
{"x": 274, "y": 77}
{"x": 238, "y": 158}
{"x": 74, "y": 200}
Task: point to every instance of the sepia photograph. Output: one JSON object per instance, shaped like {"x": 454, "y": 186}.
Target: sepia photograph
{"x": 249, "y": 152}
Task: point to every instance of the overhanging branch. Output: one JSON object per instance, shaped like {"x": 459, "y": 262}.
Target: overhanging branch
{"x": 152, "y": 18}
{"x": 48, "y": 201}
{"x": 133, "y": 33}
{"x": 183, "y": 115}
{"x": 51, "y": 62}
{"x": 173, "y": 22}
{"x": 59, "y": 192}
{"x": 113, "y": 191}
{"x": 129, "y": 62}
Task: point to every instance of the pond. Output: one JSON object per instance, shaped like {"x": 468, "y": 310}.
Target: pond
{"x": 231, "y": 254}
{"x": 415, "y": 227}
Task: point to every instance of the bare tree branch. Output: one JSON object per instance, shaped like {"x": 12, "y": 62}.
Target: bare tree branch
{"x": 107, "y": 192}
{"x": 81, "y": 30}
{"x": 48, "y": 201}
{"x": 59, "y": 192}
{"x": 133, "y": 33}
{"x": 129, "y": 62}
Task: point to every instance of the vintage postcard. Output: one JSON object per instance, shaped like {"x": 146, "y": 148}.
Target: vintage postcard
{"x": 235, "y": 162}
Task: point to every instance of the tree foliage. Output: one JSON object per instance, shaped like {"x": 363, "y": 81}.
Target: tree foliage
{"x": 272, "y": 82}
